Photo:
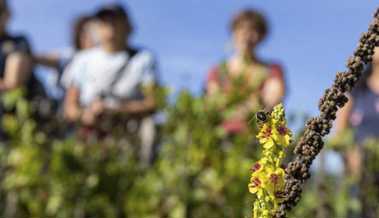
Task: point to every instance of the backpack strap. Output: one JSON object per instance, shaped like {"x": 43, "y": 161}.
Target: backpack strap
{"x": 131, "y": 52}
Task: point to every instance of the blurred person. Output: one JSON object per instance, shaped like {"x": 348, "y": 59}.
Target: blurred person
{"x": 114, "y": 79}
{"x": 244, "y": 73}
{"x": 362, "y": 110}
{"x": 361, "y": 114}
{"x": 83, "y": 37}
{"x": 15, "y": 59}
{"x": 16, "y": 70}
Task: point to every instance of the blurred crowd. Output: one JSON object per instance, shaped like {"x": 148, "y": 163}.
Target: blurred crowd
{"x": 99, "y": 81}
{"x": 104, "y": 83}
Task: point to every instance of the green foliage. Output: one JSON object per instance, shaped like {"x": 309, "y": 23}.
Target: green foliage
{"x": 203, "y": 173}
{"x": 200, "y": 171}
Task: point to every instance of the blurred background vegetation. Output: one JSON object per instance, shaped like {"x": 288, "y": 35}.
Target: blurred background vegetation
{"x": 199, "y": 171}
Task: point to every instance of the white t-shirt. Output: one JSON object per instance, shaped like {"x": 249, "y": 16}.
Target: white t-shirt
{"x": 94, "y": 70}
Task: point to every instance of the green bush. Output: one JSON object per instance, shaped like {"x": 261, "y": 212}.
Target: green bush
{"x": 200, "y": 171}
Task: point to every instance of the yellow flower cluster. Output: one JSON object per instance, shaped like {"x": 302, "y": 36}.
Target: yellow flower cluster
{"x": 267, "y": 177}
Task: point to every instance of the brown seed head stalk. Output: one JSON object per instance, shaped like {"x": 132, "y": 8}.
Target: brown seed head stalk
{"x": 311, "y": 143}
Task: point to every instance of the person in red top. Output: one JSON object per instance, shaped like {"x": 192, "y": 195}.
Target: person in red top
{"x": 244, "y": 79}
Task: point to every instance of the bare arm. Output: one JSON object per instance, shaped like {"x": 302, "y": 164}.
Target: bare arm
{"x": 136, "y": 107}
{"x": 273, "y": 92}
{"x": 352, "y": 155}
{"x": 17, "y": 70}
{"x": 72, "y": 110}
{"x": 48, "y": 60}
{"x": 342, "y": 120}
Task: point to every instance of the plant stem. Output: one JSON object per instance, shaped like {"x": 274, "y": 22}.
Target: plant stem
{"x": 309, "y": 146}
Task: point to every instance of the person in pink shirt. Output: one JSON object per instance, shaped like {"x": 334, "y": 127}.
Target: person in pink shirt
{"x": 244, "y": 79}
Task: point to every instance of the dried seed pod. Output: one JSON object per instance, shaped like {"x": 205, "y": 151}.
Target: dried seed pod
{"x": 334, "y": 98}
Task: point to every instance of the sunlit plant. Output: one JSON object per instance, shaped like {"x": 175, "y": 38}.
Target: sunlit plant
{"x": 311, "y": 142}
{"x": 267, "y": 177}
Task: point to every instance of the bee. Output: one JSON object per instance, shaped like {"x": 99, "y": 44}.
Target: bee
{"x": 262, "y": 116}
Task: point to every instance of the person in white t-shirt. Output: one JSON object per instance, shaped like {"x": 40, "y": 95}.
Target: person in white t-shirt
{"x": 112, "y": 78}
{"x": 50, "y": 65}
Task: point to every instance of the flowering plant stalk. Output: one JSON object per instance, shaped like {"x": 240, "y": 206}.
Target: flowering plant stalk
{"x": 297, "y": 172}
{"x": 267, "y": 177}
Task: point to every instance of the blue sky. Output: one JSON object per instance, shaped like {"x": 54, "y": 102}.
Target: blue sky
{"x": 311, "y": 39}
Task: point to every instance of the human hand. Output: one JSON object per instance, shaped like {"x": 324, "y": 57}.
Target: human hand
{"x": 354, "y": 161}
{"x": 88, "y": 117}
{"x": 97, "y": 107}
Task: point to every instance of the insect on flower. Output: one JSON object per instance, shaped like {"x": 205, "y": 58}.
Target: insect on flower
{"x": 261, "y": 117}
{"x": 267, "y": 178}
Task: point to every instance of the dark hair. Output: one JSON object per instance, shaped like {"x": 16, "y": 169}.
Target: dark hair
{"x": 4, "y": 7}
{"x": 78, "y": 30}
{"x": 111, "y": 13}
{"x": 255, "y": 18}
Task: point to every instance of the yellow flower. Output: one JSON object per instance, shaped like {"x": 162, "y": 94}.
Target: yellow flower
{"x": 275, "y": 131}
{"x": 256, "y": 167}
{"x": 267, "y": 177}
{"x": 275, "y": 182}
{"x": 278, "y": 114}
{"x": 282, "y": 135}
{"x": 257, "y": 178}
{"x": 265, "y": 136}
{"x": 255, "y": 185}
